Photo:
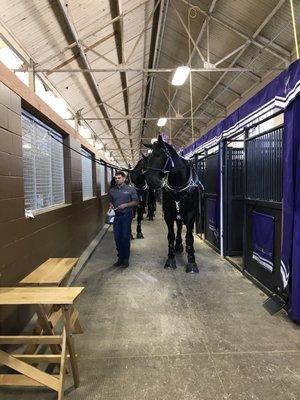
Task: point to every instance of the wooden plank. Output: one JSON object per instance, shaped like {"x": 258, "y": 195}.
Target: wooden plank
{"x": 62, "y": 366}
{"x": 71, "y": 347}
{"x": 29, "y": 371}
{"x": 51, "y": 273}
{"x": 19, "y": 380}
{"x": 38, "y": 295}
{"x": 53, "y": 339}
{"x": 75, "y": 323}
{"x": 55, "y": 317}
{"x": 39, "y": 358}
{"x": 46, "y": 326}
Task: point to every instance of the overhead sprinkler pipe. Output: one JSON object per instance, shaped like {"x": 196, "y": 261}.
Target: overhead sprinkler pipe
{"x": 294, "y": 28}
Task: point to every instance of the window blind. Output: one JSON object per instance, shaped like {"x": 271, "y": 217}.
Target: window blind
{"x": 87, "y": 175}
{"x": 102, "y": 179}
{"x": 43, "y": 164}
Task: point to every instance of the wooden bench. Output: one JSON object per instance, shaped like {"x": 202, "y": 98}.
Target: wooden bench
{"x": 60, "y": 345}
{"x": 54, "y": 272}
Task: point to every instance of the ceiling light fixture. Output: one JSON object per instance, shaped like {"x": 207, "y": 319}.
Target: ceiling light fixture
{"x": 180, "y": 75}
{"x": 162, "y": 121}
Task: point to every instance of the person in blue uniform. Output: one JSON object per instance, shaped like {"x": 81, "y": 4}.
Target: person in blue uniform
{"x": 122, "y": 199}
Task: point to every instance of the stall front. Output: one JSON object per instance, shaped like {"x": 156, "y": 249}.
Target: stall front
{"x": 258, "y": 199}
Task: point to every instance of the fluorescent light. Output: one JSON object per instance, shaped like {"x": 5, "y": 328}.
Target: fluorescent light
{"x": 153, "y": 140}
{"x": 162, "y": 121}
{"x": 149, "y": 151}
{"x": 26, "y": 146}
{"x": 180, "y": 75}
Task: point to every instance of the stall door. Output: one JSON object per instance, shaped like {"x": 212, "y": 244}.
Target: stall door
{"x": 233, "y": 201}
{"x": 263, "y": 208}
{"x": 211, "y": 200}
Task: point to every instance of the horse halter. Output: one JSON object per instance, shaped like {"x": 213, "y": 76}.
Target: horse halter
{"x": 142, "y": 172}
{"x": 166, "y": 152}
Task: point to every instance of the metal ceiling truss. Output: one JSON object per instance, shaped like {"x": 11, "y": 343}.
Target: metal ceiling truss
{"x": 253, "y": 38}
{"x": 146, "y": 70}
{"x": 240, "y": 53}
{"x": 12, "y": 42}
{"x": 118, "y": 26}
{"x": 113, "y": 96}
{"x": 83, "y": 62}
{"x": 74, "y": 44}
{"x": 158, "y": 28}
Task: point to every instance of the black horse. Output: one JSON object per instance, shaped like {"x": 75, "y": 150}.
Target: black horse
{"x": 180, "y": 193}
{"x": 151, "y": 204}
{"x": 137, "y": 179}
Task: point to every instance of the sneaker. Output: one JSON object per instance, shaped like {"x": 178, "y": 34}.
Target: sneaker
{"x": 125, "y": 264}
{"x": 118, "y": 263}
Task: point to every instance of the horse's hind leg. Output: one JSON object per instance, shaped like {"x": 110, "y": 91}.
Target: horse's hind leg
{"x": 171, "y": 263}
{"x": 178, "y": 243}
{"x": 189, "y": 239}
{"x": 139, "y": 233}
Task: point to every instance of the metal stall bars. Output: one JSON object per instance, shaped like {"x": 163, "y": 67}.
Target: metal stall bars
{"x": 233, "y": 198}
{"x": 263, "y": 206}
{"x": 208, "y": 225}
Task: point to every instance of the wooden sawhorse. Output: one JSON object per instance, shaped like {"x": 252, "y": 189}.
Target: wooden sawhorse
{"x": 62, "y": 346}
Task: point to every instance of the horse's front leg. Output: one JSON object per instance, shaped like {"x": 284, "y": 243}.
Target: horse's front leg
{"x": 139, "y": 233}
{"x": 178, "y": 243}
{"x": 191, "y": 267}
{"x": 171, "y": 262}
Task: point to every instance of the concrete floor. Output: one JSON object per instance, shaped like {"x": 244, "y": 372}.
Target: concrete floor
{"x": 156, "y": 334}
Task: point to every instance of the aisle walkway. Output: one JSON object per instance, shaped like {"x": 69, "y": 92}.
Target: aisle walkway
{"x": 155, "y": 334}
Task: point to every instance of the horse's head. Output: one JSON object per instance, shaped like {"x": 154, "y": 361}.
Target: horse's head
{"x": 137, "y": 174}
{"x": 160, "y": 161}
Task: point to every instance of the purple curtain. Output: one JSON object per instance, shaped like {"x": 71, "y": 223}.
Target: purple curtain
{"x": 263, "y": 240}
{"x": 290, "y": 251}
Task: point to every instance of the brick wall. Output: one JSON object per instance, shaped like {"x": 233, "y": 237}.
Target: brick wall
{"x": 62, "y": 232}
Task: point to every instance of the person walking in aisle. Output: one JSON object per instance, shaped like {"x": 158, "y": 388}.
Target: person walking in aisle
{"x": 122, "y": 199}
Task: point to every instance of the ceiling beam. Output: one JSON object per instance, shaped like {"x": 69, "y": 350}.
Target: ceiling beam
{"x": 23, "y": 54}
{"x": 118, "y": 27}
{"x": 78, "y": 54}
{"x": 147, "y": 70}
{"x": 197, "y": 42}
{"x": 74, "y": 44}
{"x": 158, "y": 28}
{"x": 84, "y": 64}
{"x": 128, "y": 117}
{"x": 251, "y": 38}
{"x": 240, "y": 53}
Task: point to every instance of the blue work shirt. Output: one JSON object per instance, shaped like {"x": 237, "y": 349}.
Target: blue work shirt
{"x": 122, "y": 194}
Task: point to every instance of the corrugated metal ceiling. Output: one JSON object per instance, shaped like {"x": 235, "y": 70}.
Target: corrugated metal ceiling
{"x": 40, "y": 28}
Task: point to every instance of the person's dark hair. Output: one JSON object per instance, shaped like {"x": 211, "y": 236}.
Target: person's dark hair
{"x": 122, "y": 173}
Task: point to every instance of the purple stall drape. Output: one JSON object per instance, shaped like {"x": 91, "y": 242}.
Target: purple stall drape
{"x": 290, "y": 252}
{"x": 263, "y": 239}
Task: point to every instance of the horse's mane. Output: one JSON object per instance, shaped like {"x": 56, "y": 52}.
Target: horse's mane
{"x": 174, "y": 152}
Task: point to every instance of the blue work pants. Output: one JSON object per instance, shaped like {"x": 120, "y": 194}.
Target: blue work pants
{"x": 122, "y": 232}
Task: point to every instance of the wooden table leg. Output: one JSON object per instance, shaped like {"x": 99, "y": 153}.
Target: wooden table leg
{"x": 62, "y": 366}
{"x": 46, "y": 326}
{"x": 70, "y": 344}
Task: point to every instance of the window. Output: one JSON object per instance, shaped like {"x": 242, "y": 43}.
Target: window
{"x": 43, "y": 164}
{"x": 87, "y": 175}
{"x": 109, "y": 176}
{"x": 102, "y": 179}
